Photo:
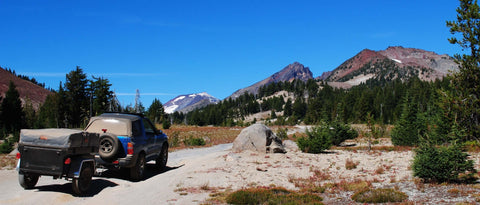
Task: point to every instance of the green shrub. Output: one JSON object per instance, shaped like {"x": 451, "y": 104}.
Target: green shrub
{"x": 192, "y": 141}
{"x": 166, "y": 124}
{"x": 174, "y": 139}
{"x": 282, "y": 133}
{"x": 271, "y": 196}
{"x": 6, "y": 147}
{"x": 340, "y": 132}
{"x": 317, "y": 140}
{"x": 322, "y": 137}
{"x": 441, "y": 164}
{"x": 379, "y": 196}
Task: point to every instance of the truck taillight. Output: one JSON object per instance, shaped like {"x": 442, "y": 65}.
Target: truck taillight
{"x": 18, "y": 155}
{"x": 129, "y": 148}
{"x": 67, "y": 161}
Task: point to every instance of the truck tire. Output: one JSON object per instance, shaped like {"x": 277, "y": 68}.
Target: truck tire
{"x": 108, "y": 146}
{"x": 81, "y": 184}
{"x": 28, "y": 181}
{"x": 137, "y": 172}
{"x": 161, "y": 161}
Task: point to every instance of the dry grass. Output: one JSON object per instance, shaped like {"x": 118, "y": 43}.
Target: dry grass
{"x": 7, "y": 161}
{"x": 349, "y": 164}
{"x": 386, "y": 148}
{"x": 271, "y": 195}
{"x": 379, "y": 196}
{"x": 205, "y": 187}
{"x": 380, "y": 170}
{"x": 212, "y": 135}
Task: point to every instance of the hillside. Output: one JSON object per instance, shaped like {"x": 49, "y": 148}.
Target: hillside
{"x": 293, "y": 71}
{"x": 390, "y": 64}
{"x": 29, "y": 91}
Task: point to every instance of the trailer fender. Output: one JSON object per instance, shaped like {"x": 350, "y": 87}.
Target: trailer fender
{"x": 77, "y": 164}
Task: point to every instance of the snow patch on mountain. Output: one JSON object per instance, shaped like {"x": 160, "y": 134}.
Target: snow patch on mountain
{"x": 396, "y": 60}
{"x": 189, "y": 102}
{"x": 170, "y": 109}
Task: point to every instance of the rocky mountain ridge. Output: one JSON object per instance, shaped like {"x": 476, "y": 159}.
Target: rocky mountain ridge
{"x": 394, "y": 62}
{"x": 293, "y": 71}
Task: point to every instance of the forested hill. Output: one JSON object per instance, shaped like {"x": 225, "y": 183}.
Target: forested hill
{"x": 30, "y": 91}
{"x": 311, "y": 102}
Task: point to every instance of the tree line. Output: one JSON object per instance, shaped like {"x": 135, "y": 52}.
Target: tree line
{"x": 71, "y": 106}
{"x": 314, "y": 102}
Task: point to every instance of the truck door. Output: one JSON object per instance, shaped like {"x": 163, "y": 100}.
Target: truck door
{"x": 152, "y": 147}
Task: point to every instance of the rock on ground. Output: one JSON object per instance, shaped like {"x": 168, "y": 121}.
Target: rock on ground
{"x": 258, "y": 138}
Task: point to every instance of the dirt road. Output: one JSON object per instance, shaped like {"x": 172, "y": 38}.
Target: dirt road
{"x": 114, "y": 187}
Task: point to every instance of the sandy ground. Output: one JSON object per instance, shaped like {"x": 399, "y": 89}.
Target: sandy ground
{"x": 193, "y": 174}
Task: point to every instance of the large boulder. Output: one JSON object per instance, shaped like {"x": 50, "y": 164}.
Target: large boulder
{"x": 259, "y": 138}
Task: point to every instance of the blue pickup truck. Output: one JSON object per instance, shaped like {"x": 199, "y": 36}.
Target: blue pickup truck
{"x": 128, "y": 141}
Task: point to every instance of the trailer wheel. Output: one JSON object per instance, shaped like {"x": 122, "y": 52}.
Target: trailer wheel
{"x": 108, "y": 146}
{"x": 81, "y": 184}
{"x": 27, "y": 180}
{"x": 137, "y": 172}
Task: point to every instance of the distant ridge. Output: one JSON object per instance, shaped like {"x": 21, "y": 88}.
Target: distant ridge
{"x": 293, "y": 71}
{"x": 187, "y": 103}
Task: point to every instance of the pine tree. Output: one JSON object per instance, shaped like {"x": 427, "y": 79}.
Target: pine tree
{"x": 466, "y": 81}
{"x": 101, "y": 95}
{"x": 12, "y": 115}
{"x": 77, "y": 97}
{"x": 287, "y": 110}
{"x": 406, "y": 132}
{"x": 156, "y": 112}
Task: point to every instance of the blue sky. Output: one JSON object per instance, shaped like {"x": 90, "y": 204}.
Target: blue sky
{"x": 169, "y": 48}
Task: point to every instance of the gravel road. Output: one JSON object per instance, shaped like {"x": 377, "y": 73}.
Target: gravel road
{"x": 114, "y": 187}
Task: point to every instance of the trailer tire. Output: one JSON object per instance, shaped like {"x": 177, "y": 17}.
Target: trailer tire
{"x": 108, "y": 146}
{"x": 81, "y": 184}
{"x": 28, "y": 181}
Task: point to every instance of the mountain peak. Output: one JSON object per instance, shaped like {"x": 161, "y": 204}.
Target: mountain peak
{"x": 290, "y": 72}
{"x": 368, "y": 64}
{"x": 186, "y": 103}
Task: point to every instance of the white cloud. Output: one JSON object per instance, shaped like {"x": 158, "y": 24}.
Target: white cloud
{"x": 128, "y": 74}
{"x": 42, "y": 74}
{"x": 57, "y": 74}
{"x": 146, "y": 94}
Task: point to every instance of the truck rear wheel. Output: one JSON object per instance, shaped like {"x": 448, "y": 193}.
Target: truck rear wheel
{"x": 137, "y": 172}
{"x": 27, "y": 180}
{"x": 81, "y": 184}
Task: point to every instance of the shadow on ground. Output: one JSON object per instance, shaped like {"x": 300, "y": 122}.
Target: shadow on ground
{"x": 150, "y": 171}
{"x": 96, "y": 186}
{"x": 100, "y": 182}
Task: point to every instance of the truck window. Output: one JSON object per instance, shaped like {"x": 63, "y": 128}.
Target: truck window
{"x": 136, "y": 128}
{"x": 114, "y": 126}
{"x": 149, "y": 129}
